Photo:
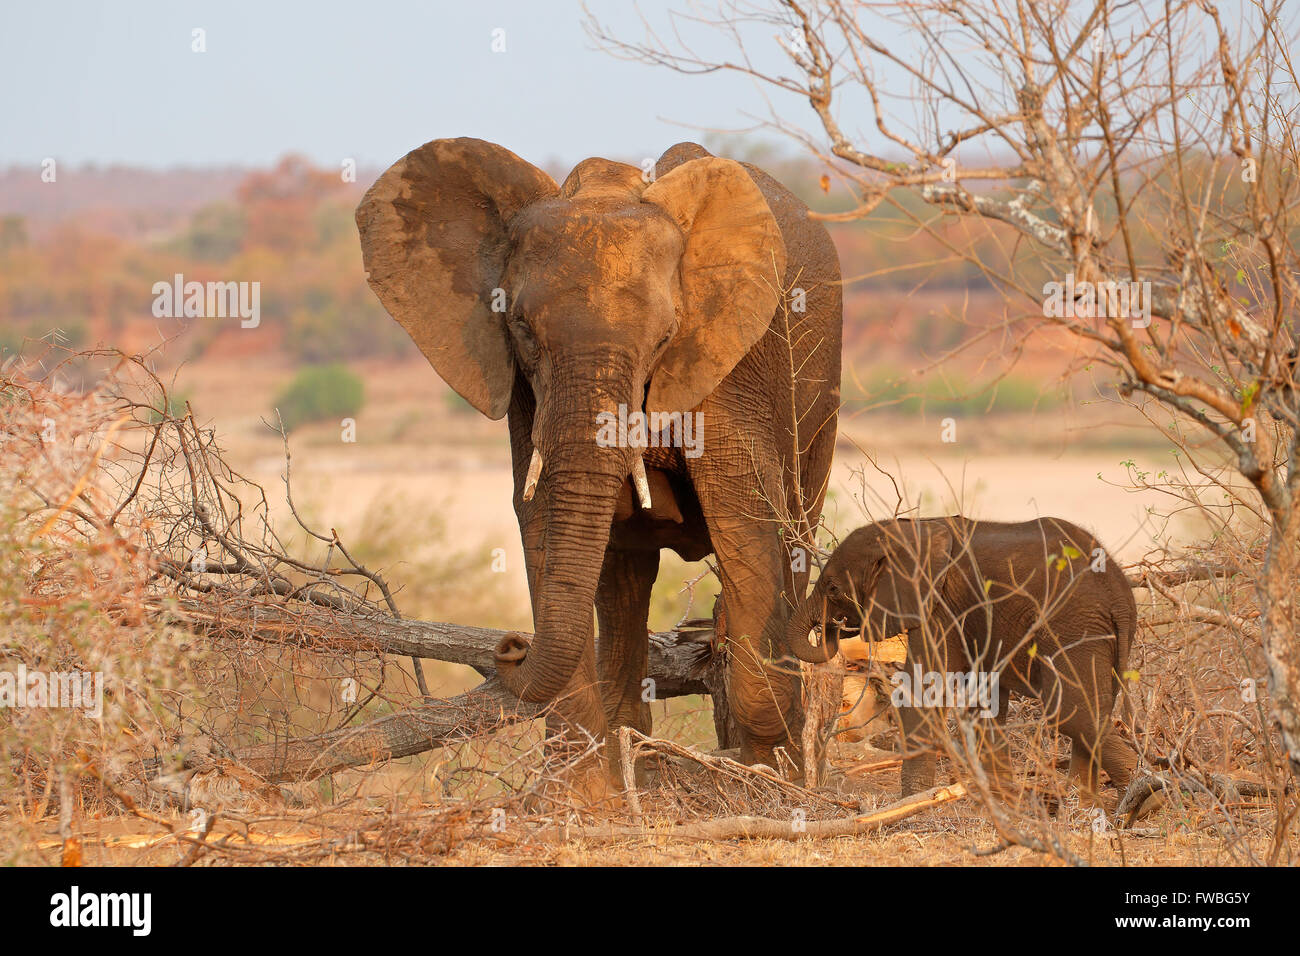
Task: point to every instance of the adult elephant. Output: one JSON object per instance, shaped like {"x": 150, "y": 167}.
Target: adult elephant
{"x": 666, "y": 294}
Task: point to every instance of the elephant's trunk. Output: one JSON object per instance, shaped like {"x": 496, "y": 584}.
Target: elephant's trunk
{"x": 800, "y": 626}
{"x": 577, "y": 484}
{"x": 579, "y": 509}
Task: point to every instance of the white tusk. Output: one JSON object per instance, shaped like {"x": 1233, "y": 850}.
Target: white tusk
{"x": 534, "y": 473}
{"x": 642, "y": 483}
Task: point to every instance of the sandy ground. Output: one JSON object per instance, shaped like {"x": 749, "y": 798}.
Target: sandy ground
{"x": 416, "y": 448}
{"x": 434, "y": 460}
{"x": 948, "y": 835}
{"x": 413, "y": 447}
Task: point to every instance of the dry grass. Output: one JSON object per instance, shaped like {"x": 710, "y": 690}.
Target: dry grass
{"x": 455, "y": 832}
{"x": 125, "y": 789}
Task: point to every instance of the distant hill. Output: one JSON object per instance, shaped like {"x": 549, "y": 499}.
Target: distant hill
{"x": 122, "y": 201}
{"x": 81, "y": 255}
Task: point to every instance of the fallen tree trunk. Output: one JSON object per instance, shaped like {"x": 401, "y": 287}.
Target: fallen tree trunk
{"x": 679, "y": 665}
{"x": 485, "y": 709}
{"x": 678, "y": 659}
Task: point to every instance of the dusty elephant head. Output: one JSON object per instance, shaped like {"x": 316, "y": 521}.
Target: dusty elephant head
{"x": 571, "y": 300}
{"x": 882, "y": 580}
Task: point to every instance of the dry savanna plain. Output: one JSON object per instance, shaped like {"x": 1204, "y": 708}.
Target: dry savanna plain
{"x": 953, "y": 401}
{"x": 420, "y": 486}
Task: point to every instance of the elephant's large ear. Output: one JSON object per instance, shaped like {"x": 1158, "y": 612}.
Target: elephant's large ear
{"x": 917, "y": 555}
{"x": 433, "y": 240}
{"x": 730, "y": 272}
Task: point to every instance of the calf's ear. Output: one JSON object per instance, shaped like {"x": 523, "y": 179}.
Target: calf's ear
{"x": 917, "y": 556}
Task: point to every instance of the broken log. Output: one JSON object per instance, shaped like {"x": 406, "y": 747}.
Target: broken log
{"x": 887, "y": 762}
{"x": 678, "y": 659}
{"x": 486, "y": 708}
{"x": 680, "y": 665}
{"x": 1147, "y": 794}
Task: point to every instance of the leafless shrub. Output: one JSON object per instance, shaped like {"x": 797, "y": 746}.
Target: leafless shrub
{"x": 1062, "y": 152}
{"x": 122, "y": 525}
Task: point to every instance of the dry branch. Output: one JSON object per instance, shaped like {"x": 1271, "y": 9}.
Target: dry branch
{"x": 767, "y": 828}
{"x": 723, "y": 767}
{"x": 874, "y": 766}
{"x": 482, "y": 710}
{"x": 677, "y": 658}
{"x": 678, "y": 661}
{"x": 1220, "y": 787}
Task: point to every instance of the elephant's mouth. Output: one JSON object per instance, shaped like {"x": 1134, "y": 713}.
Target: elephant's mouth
{"x": 843, "y": 628}
{"x": 838, "y": 627}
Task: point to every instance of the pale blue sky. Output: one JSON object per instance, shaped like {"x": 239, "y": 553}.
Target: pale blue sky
{"x": 117, "y": 82}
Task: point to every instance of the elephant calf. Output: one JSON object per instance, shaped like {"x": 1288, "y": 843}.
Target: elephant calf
{"x": 1036, "y": 607}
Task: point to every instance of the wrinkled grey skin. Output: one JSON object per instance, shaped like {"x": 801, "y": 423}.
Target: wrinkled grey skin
{"x": 1020, "y": 599}
{"x": 602, "y": 277}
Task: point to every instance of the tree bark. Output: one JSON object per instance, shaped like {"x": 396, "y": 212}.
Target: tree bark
{"x": 679, "y": 660}
{"x": 484, "y": 709}
{"x": 1278, "y": 631}
{"x": 823, "y": 690}
{"x": 680, "y": 665}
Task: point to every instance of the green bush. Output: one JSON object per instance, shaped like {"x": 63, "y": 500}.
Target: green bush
{"x": 954, "y": 395}
{"x": 175, "y": 407}
{"x": 66, "y": 330}
{"x": 319, "y": 393}
{"x": 325, "y": 329}
{"x": 215, "y": 234}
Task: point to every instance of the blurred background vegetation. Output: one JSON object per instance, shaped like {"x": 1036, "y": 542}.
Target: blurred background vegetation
{"x": 79, "y": 266}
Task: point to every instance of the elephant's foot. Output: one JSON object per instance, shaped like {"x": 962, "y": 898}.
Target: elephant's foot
{"x": 582, "y": 786}
{"x": 1062, "y": 794}
{"x": 780, "y": 757}
{"x": 592, "y": 789}
{"x": 917, "y": 774}
{"x": 1084, "y": 773}
{"x": 1090, "y": 799}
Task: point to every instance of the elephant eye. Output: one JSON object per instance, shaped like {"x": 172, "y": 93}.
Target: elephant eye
{"x": 663, "y": 343}
{"x": 525, "y": 340}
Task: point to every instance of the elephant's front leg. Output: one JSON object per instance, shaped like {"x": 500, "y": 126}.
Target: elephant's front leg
{"x": 925, "y": 727}
{"x": 577, "y": 732}
{"x": 622, "y": 653}
{"x": 929, "y": 657}
{"x": 763, "y": 683}
{"x": 919, "y": 755}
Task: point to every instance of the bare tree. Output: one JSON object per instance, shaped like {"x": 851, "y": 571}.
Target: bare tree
{"x": 1127, "y": 172}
